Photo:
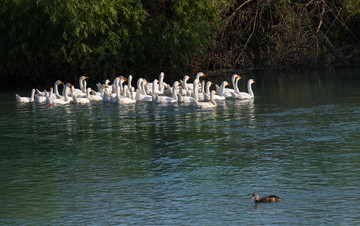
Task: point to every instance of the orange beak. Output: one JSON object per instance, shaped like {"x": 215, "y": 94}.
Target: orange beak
{"x": 86, "y": 77}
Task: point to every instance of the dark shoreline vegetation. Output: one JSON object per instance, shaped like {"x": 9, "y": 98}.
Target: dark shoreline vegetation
{"x": 42, "y": 41}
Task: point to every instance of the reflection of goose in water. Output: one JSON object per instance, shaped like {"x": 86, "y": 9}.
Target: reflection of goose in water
{"x": 249, "y": 103}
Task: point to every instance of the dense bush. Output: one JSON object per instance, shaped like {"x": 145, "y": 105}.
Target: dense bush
{"x": 49, "y": 39}
{"x": 67, "y": 38}
{"x": 42, "y": 40}
{"x": 282, "y": 33}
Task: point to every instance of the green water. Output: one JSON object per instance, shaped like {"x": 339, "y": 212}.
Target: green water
{"x": 152, "y": 164}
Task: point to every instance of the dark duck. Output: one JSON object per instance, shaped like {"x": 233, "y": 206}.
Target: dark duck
{"x": 270, "y": 198}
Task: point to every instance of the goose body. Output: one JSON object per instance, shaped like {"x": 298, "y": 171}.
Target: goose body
{"x": 167, "y": 99}
{"x": 185, "y": 99}
{"x": 221, "y": 90}
{"x": 79, "y": 99}
{"x": 229, "y": 91}
{"x": 141, "y": 94}
{"x": 64, "y": 99}
{"x": 197, "y": 78}
{"x": 40, "y": 99}
{"x": 244, "y": 95}
{"x": 185, "y": 91}
{"x": 81, "y": 91}
{"x": 127, "y": 97}
{"x": 210, "y": 104}
{"x": 30, "y": 99}
{"x": 95, "y": 97}
{"x": 56, "y": 88}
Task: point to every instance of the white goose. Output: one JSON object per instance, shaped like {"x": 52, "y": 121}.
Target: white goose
{"x": 161, "y": 87}
{"x": 80, "y": 92}
{"x": 30, "y": 99}
{"x": 198, "y": 76}
{"x": 138, "y": 84}
{"x": 234, "y": 79}
{"x": 129, "y": 80}
{"x": 121, "y": 82}
{"x": 195, "y": 90}
{"x": 221, "y": 89}
{"x": 92, "y": 97}
{"x": 210, "y": 104}
{"x": 79, "y": 99}
{"x": 141, "y": 94}
{"x": 55, "y": 101}
{"x": 117, "y": 87}
{"x": 129, "y": 97}
{"x": 207, "y": 91}
{"x": 244, "y": 95}
{"x": 101, "y": 87}
{"x": 185, "y": 89}
{"x": 185, "y": 99}
{"x": 165, "y": 99}
{"x": 106, "y": 96}
{"x": 113, "y": 90}
{"x": 56, "y": 88}
{"x": 40, "y": 99}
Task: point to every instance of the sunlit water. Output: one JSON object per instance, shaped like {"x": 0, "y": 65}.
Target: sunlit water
{"x": 175, "y": 165}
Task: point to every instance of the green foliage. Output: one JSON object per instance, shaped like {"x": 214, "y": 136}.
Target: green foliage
{"x": 43, "y": 40}
{"x": 352, "y": 15}
{"x": 352, "y": 7}
{"x": 48, "y": 39}
{"x": 176, "y": 32}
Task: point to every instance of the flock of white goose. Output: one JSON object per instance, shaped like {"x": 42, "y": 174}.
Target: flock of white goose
{"x": 198, "y": 93}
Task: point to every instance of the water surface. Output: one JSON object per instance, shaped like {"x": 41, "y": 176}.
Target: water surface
{"x": 176, "y": 165}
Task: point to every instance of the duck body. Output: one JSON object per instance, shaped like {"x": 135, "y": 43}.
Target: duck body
{"x": 270, "y": 198}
